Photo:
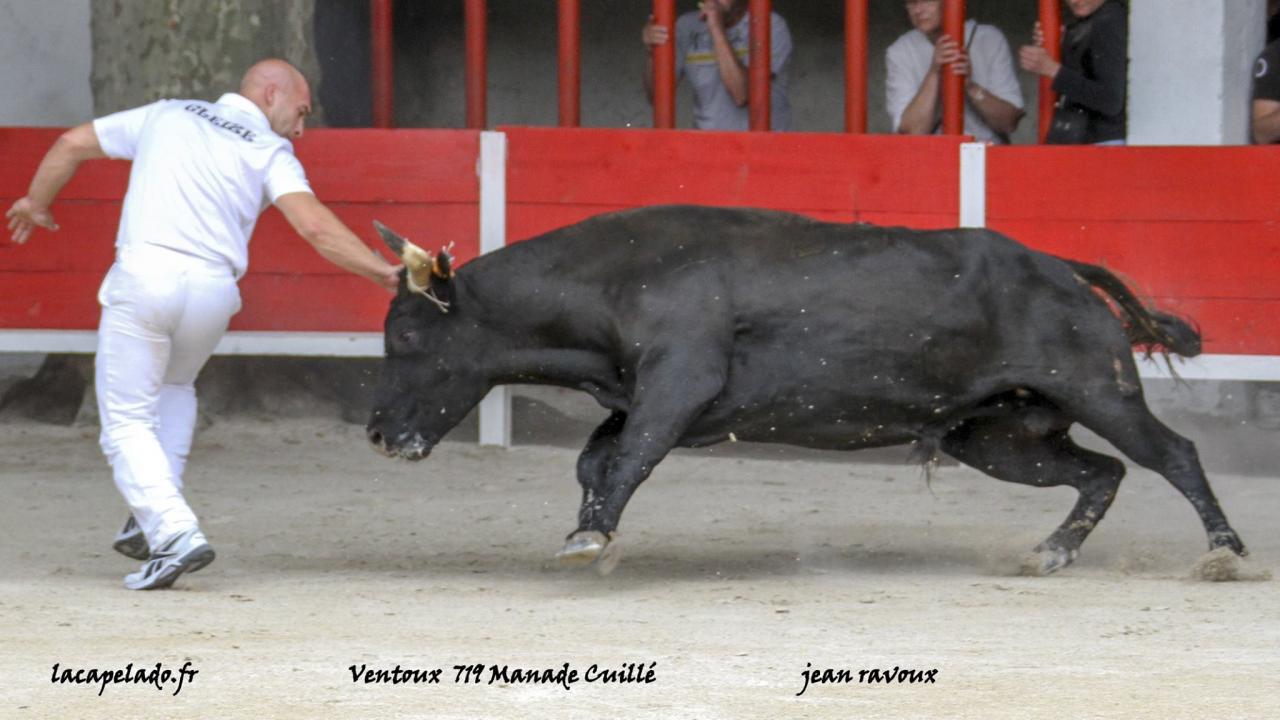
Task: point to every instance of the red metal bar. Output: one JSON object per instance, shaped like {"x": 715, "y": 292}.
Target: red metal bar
{"x": 855, "y": 66}
{"x": 761, "y": 65}
{"x": 570, "y": 55}
{"x": 664, "y": 66}
{"x": 953, "y": 84}
{"x": 382, "y": 75}
{"x": 1051, "y": 28}
{"x": 476, "y": 57}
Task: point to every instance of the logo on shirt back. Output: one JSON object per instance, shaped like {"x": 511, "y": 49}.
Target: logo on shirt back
{"x": 232, "y": 127}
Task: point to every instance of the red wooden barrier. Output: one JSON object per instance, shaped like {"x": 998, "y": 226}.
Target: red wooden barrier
{"x": 1194, "y": 228}
{"x": 555, "y": 177}
{"x": 421, "y": 182}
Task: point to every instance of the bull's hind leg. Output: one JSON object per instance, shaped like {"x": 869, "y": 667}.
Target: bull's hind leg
{"x": 1127, "y": 423}
{"x": 1033, "y": 448}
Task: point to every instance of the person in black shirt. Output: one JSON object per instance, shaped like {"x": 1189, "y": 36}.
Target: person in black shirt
{"x": 1266, "y": 95}
{"x": 1091, "y": 80}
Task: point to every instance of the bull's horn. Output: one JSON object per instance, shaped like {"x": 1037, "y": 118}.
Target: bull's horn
{"x": 417, "y": 261}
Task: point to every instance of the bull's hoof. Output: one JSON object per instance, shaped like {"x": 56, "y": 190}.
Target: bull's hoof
{"x": 1222, "y": 564}
{"x": 1227, "y": 539}
{"x": 1046, "y": 560}
{"x": 582, "y": 548}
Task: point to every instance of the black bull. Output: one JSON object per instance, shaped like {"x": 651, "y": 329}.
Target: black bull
{"x": 694, "y": 325}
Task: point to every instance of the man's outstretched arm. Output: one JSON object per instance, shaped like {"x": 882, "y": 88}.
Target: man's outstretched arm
{"x": 59, "y": 165}
{"x": 333, "y": 240}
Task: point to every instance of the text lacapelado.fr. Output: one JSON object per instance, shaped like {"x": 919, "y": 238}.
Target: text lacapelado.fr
{"x": 157, "y": 676}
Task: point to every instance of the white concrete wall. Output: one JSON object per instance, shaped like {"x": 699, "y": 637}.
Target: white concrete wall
{"x": 45, "y": 58}
{"x": 1189, "y": 70}
{"x": 1244, "y": 31}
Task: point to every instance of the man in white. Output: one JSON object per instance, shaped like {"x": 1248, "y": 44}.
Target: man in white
{"x": 915, "y": 62}
{"x": 202, "y": 173}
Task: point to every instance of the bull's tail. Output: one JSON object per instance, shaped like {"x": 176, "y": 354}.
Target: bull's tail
{"x": 1150, "y": 329}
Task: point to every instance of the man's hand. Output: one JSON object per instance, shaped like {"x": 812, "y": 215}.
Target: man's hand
{"x": 1034, "y": 58}
{"x": 653, "y": 34}
{"x": 711, "y": 13}
{"x": 24, "y": 217}
{"x": 947, "y": 51}
{"x": 391, "y": 278}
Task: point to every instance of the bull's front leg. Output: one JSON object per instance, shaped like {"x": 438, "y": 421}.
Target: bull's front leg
{"x": 582, "y": 548}
{"x": 673, "y": 392}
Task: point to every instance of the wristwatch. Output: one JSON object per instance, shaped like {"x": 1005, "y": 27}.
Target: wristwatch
{"x": 978, "y": 93}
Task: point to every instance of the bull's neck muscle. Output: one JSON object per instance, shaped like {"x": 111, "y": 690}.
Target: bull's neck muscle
{"x": 556, "y": 333}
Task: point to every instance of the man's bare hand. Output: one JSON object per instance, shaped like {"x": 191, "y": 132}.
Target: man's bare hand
{"x": 653, "y": 34}
{"x": 391, "y": 278}
{"x": 24, "y": 217}
{"x": 1036, "y": 59}
{"x": 947, "y": 51}
{"x": 711, "y": 13}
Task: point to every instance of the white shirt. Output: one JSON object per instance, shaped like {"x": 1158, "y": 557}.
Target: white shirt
{"x": 990, "y": 64}
{"x": 202, "y": 174}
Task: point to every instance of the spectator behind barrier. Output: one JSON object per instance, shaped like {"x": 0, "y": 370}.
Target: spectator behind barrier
{"x": 1266, "y": 95}
{"x": 993, "y": 100}
{"x": 712, "y": 51}
{"x": 1091, "y": 79}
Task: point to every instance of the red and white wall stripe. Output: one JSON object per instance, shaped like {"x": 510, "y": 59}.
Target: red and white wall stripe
{"x": 1194, "y": 228}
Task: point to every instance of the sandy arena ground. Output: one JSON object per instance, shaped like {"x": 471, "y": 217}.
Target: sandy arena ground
{"x": 738, "y": 572}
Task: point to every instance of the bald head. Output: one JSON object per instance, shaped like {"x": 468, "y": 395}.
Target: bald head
{"x": 269, "y": 72}
{"x": 282, "y": 93}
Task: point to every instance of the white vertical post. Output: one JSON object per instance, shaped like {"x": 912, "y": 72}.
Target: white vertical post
{"x": 495, "y": 409}
{"x": 973, "y": 185}
{"x": 1196, "y": 57}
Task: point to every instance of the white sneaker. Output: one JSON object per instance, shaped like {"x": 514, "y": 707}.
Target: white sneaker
{"x": 188, "y": 551}
{"x": 131, "y": 542}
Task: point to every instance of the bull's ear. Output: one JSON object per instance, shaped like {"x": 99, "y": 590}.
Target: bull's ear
{"x": 418, "y": 263}
{"x": 442, "y": 267}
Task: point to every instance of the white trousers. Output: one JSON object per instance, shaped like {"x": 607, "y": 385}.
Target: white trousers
{"x": 163, "y": 313}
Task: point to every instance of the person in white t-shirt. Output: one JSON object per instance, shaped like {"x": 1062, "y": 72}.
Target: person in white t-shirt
{"x": 915, "y": 63}
{"x": 202, "y": 173}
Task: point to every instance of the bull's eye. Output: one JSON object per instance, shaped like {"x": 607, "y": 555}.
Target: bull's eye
{"x": 407, "y": 340}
